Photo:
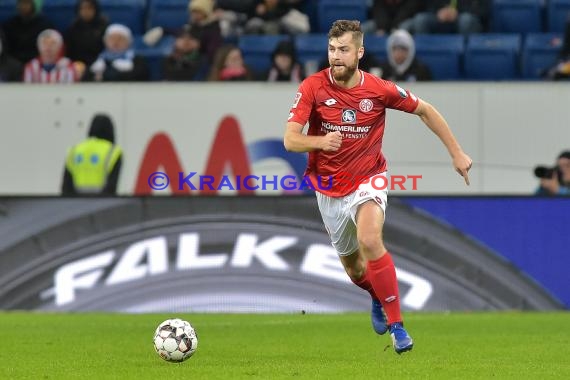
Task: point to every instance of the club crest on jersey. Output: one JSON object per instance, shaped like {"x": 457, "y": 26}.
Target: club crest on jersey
{"x": 365, "y": 105}
{"x": 402, "y": 92}
{"x": 349, "y": 116}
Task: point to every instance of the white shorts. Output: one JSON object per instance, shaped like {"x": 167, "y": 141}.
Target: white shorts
{"x": 339, "y": 213}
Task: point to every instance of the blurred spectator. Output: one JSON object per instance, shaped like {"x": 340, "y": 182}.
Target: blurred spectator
{"x": 203, "y": 23}
{"x": 22, "y": 31}
{"x": 285, "y": 67}
{"x": 402, "y": 65}
{"x": 388, "y": 15}
{"x": 561, "y": 71}
{"x": 555, "y": 180}
{"x": 452, "y": 16}
{"x": 50, "y": 66}
{"x": 92, "y": 167}
{"x": 185, "y": 63}
{"x": 276, "y": 17}
{"x": 10, "y": 67}
{"x": 84, "y": 38}
{"x": 232, "y": 15}
{"x": 118, "y": 61}
{"x": 206, "y": 26}
{"x": 229, "y": 66}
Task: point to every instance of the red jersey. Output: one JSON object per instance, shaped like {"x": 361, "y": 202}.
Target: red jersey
{"x": 62, "y": 72}
{"x": 359, "y": 113}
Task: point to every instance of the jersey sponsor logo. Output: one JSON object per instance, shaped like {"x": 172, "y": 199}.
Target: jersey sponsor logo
{"x": 297, "y": 98}
{"x": 330, "y": 102}
{"x": 402, "y": 92}
{"x": 365, "y": 105}
{"x": 329, "y": 127}
{"x": 349, "y": 116}
{"x": 348, "y": 131}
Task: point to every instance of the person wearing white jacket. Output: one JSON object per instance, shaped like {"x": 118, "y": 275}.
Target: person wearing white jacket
{"x": 118, "y": 61}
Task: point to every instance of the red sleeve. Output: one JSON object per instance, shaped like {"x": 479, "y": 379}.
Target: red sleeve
{"x": 303, "y": 104}
{"x": 397, "y": 98}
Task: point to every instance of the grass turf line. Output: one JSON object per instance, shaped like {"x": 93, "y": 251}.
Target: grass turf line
{"x": 286, "y": 346}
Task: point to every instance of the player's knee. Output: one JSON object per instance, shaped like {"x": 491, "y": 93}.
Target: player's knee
{"x": 369, "y": 243}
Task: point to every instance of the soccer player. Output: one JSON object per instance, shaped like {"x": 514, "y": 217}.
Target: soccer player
{"x": 346, "y": 109}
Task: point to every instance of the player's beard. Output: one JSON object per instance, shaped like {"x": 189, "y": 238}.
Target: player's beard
{"x": 344, "y": 73}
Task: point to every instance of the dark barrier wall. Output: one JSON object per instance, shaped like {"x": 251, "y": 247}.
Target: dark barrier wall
{"x": 232, "y": 254}
{"x": 533, "y": 233}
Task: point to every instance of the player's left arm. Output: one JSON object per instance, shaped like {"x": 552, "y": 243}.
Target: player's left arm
{"x": 437, "y": 123}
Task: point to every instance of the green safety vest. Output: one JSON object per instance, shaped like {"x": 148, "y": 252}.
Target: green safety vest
{"x": 90, "y": 162}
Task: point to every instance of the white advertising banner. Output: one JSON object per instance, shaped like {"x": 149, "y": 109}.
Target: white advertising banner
{"x": 188, "y": 131}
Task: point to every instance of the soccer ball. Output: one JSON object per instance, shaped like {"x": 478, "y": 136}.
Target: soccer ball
{"x": 175, "y": 340}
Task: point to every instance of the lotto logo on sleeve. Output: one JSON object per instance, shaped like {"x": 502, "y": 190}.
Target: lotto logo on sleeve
{"x": 297, "y": 98}
{"x": 349, "y": 116}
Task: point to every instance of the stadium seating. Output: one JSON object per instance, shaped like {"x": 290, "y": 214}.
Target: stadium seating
{"x": 499, "y": 55}
{"x": 442, "y": 53}
{"x": 154, "y": 54}
{"x": 7, "y": 9}
{"x": 257, "y": 50}
{"x": 127, "y": 12}
{"x": 517, "y": 16}
{"x": 492, "y": 56}
{"x": 311, "y": 47}
{"x": 331, "y": 10}
{"x": 376, "y": 45}
{"x": 310, "y": 8}
{"x": 539, "y": 53}
{"x": 169, "y": 14}
{"x": 558, "y": 12}
{"x": 60, "y": 12}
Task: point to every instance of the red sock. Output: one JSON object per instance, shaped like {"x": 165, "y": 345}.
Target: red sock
{"x": 382, "y": 276}
{"x": 364, "y": 283}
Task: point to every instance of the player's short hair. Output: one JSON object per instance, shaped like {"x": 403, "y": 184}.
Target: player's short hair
{"x": 340, "y": 27}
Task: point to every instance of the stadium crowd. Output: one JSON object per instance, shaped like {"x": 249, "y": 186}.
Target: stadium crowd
{"x": 94, "y": 45}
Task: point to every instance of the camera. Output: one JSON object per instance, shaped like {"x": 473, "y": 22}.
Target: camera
{"x": 545, "y": 172}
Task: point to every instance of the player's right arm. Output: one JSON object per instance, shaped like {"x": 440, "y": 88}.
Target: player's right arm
{"x": 296, "y": 141}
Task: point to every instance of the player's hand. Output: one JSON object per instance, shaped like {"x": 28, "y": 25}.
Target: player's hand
{"x": 332, "y": 141}
{"x": 462, "y": 163}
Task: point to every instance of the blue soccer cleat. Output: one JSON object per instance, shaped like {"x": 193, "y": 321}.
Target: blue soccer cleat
{"x": 400, "y": 339}
{"x": 378, "y": 318}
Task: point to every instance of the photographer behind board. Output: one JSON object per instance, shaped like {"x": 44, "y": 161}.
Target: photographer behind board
{"x": 555, "y": 180}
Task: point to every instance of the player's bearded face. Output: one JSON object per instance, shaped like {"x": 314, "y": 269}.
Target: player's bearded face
{"x": 343, "y": 71}
{"x": 343, "y": 60}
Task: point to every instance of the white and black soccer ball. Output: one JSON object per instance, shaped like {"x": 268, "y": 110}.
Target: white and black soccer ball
{"x": 175, "y": 340}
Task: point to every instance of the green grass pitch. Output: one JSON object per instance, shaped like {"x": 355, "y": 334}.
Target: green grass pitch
{"x": 238, "y": 346}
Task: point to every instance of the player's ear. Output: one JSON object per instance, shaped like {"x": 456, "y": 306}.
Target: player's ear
{"x": 360, "y": 52}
